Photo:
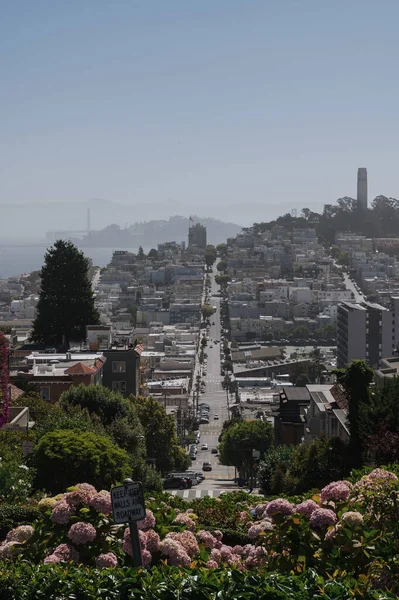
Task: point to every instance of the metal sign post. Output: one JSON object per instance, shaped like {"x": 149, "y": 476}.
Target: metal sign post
{"x": 128, "y": 507}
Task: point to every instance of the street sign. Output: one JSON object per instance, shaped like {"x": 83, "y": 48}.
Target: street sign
{"x": 27, "y": 447}
{"x": 128, "y": 502}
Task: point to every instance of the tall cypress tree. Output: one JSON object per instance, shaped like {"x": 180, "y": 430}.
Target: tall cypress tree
{"x": 66, "y": 302}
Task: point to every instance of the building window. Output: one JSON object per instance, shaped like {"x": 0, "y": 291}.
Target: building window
{"x": 45, "y": 393}
{"x": 119, "y": 366}
{"x": 119, "y": 386}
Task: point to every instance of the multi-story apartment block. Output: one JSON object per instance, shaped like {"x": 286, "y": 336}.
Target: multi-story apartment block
{"x": 366, "y": 331}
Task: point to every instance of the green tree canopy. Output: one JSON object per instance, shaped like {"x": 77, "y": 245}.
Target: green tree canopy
{"x": 210, "y": 255}
{"x": 116, "y": 413}
{"x": 222, "y": 250}
{"x": 356, "y": 379}
{"x": 239, "y": 440}
{"x": 206, "y": 311}
{"x": 66, "y": 302}
{"x": 222, "y": 266}
{"x": 159, "y": 431}
{"x": 63, "y": 458}
{"x": 153, "y": 253}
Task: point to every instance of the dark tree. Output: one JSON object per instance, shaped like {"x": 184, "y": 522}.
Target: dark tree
{"x": 66, "y": 302}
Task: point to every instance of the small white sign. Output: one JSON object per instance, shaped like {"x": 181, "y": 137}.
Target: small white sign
{"x": 128, "y": 502}
{"x": 27, "y": 447}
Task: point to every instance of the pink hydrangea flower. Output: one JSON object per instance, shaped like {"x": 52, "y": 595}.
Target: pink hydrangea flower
{"x": 66, "y": 553}
{"x": 336, "y": 490}
{"x": 260, "y": 509}
{"x": 331, "y": 533}
{"x": 234, "y": 560}
{"x": 254, "y": 531}
{"x": 306, "y": 508}
{"x": 80, "y": 494}
{"x": 152, "y": 541}
{"x": 218, "y": 535}
{"x": 238, "y": 549}
{"x": 147, "y": 557}
{"x": 148, "y": 522}
{"x": 184, "y": 519}
{"x": 82, "y": 533}
{"x": 62, "y": 512}
{"x": 382, "y": 474}
{"x": 280, "y": 506}
{"x": 20, "y": 534}
{"x": 51, "y": 559}
{"x": 218, "y": 545}
{"x": 9, "y": 549}
{"x": 175, "y": 552}
{"x": 211, "y": 564}
{"x": 215, "y": 555}
{"x": 101, "y": 502}
{"x": 322, "y": 517}
{"x": 242, "y": 516}
{"x": 352, "y": 518}
{"x": 207, "y": 539}
{"x": 187, "y": 540}
{"x": 226, "y": 552}
{"x": 106, "y": 561}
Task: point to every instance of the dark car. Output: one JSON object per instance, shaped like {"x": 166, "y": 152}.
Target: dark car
{"x": 206, "y": 466}
{"x": 214, "y": 451}
{"x": 176, "y": 483}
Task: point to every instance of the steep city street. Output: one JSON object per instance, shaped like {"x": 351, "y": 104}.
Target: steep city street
{"x": 221, "y": 477}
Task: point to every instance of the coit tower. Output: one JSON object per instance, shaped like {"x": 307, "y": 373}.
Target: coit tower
{"x": 362, "y": 187}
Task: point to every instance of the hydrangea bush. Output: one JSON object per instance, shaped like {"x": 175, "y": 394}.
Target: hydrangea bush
{"x": 347, "y": 528}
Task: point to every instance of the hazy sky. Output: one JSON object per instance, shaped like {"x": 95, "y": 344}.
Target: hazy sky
{"x": 216, "y": 101}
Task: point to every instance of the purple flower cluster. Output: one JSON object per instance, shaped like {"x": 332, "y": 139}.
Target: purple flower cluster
{"x": 176, "y": 554}
{"x": 187, "y": 540}
{"x": 63, "y": 553}
{"x": 9, "y": 549}
{"x": 62, "y": 512}
{"x": 280, "y": 506}
{"x": 337, "y": 490}
{"x": 184, "y": 519}
{"x": 257, "y": 528}
{"x": 306, "y": 508}
{"x": 148, "y": 522}
{"x": 20, "y": 534}
{"x": 382, "y": 474}
{"x": 149, "y": 543}
{"x": 81, "y": 493}
{"x": 206, "y": 538}
{"x": 106, "y": 561}
{"x": 322, "y": 517}
{"x": 101, "y": 501}
{"x": 352, "y": 518}
{"x": 82, "y": 533}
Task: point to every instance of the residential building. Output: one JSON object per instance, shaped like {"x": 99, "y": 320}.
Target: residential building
{"x": 327, "y": 415}
{"x": 290, "y": 418}
{"x": 121, "y": 370}
{"x": 365, "y": 331}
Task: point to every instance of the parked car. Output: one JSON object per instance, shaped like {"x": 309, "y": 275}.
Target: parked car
{"x": 204, "y": 447}
{"x": 204, "y": 420}
{"x": 206, "y": 466}
{"x": 204, "y": 405}
{"x": 216, "y": 417}
{"x": 176, "y": 483}
{"x": 214, "y": 451}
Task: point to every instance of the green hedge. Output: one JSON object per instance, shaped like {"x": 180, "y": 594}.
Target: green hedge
{"x": 22, "y": 581}
{"x": 13, "y": 515}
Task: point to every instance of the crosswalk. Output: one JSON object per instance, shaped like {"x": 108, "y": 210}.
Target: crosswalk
{"x": 192, "y": 494}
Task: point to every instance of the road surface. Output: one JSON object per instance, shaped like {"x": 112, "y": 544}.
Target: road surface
{"x": 221, "y": 477}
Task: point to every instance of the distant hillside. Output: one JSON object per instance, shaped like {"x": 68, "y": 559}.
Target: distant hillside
{"x": 151, "y": 233}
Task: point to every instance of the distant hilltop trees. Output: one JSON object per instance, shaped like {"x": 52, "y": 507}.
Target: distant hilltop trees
{"x": 379, "y": 221}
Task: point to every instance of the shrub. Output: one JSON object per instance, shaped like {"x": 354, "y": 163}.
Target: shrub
{"x": 62, "y": 457}
{"x": 12, "y": 515}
